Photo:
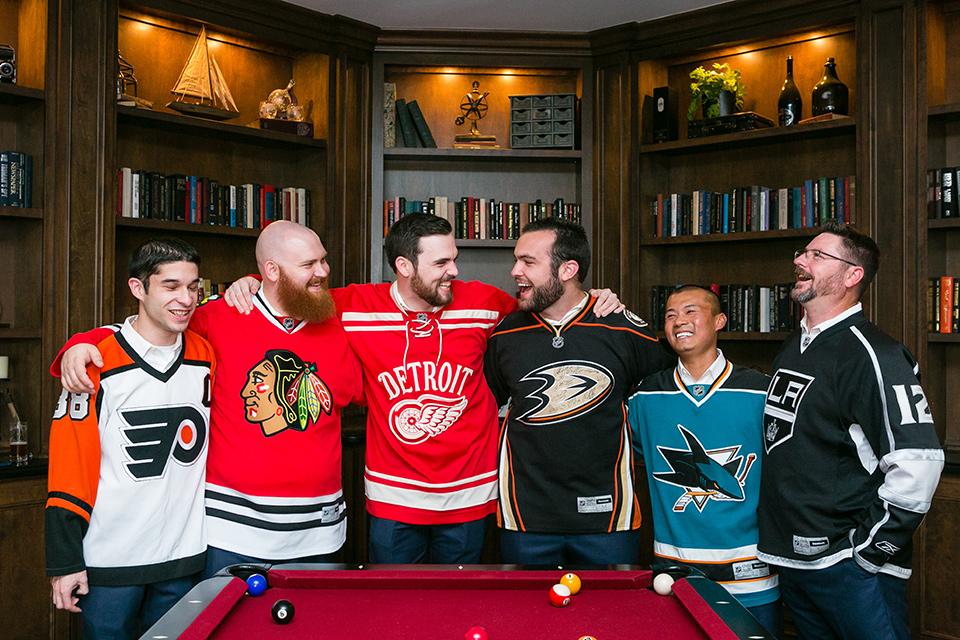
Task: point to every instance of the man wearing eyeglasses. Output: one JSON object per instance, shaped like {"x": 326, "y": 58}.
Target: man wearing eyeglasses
{"x": 852, "y": 457}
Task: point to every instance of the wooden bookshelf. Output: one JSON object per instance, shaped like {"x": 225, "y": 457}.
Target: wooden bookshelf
{"x": 438, "y": 81}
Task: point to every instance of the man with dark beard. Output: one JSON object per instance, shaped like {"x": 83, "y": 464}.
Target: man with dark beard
{"x": 271, "y": 494}
{"x": 566, "y": 456}
{"x": 852, "y": 457}
{"x": 431, "y": 463}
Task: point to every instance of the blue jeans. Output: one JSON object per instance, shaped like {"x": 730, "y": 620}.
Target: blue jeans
{"x": 393, "y": 542}
{"x": 770, "y": 616}
{"x": 122, "y": 613}
{"x": 619, "y": 547}
{"x": 219, "y": 558}
{"x": 844, "y": 602}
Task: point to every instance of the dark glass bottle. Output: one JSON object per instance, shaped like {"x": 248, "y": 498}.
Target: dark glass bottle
{"x": 790, "y": 105}
{"x": 830, "y": 95}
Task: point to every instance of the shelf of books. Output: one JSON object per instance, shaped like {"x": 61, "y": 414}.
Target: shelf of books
{"x": 726, "y": 205}
{"x": 941, "y": 364}
{"x": 487, "y": 146}
{"x": 215, "y": 173}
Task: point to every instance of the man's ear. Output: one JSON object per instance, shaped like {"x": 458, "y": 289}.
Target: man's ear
{"x": 853, "y": 277}
{"x": 404, "y": 267}
{"x": 137, "y": 289}
{"x": 721, "y": 321}
{"x": 568, "y": 270}
{"x": 271, "y": 271}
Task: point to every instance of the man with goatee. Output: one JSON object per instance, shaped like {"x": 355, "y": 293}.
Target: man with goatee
{"x": 273, "y": 486}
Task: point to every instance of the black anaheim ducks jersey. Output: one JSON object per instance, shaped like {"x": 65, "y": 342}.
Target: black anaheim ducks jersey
{"x": 565, "y": 449}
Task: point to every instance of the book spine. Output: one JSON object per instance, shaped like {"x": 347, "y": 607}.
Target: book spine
{"x": 946, "y": 304}
{"x": 406, "y": 124}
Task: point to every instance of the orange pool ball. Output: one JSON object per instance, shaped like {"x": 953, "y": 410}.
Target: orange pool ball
{"x": 572, "y": 582}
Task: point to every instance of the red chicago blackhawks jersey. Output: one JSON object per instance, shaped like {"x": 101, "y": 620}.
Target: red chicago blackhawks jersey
{"x": 127, "y": 463}
{"x": 432, "y": 421}
{"x": 273, "y": 472}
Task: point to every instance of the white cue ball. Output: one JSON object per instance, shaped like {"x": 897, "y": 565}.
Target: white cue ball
{"x": 663, "y": 584}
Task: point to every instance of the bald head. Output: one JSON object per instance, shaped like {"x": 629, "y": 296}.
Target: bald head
{"x": 284, "y": 241}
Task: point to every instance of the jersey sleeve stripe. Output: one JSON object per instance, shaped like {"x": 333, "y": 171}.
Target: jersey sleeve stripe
{"x": 64, "y": 501}
{"x": 628, "y": 329}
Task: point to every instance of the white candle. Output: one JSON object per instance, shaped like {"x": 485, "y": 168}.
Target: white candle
{"x": 4, "y": 367}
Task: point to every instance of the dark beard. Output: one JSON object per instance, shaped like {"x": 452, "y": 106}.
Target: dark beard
{"x": 301, "y": 303}
{"x": 542, "y": 296}
{"x": 433, "y": 297}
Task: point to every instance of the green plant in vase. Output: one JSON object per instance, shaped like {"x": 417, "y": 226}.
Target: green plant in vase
{"x": 707, "y": 87}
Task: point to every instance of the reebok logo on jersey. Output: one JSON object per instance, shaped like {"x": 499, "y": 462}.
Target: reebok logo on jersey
{"x": 154, "y": 435}
{"x": 416, "y": 419}
{"x": 784, "y": 396}
{"x": 704, "y": 474}
{"x": 568, "y": 389}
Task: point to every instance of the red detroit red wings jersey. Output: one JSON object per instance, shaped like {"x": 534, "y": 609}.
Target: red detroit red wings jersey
{"x": 432, "y": 421}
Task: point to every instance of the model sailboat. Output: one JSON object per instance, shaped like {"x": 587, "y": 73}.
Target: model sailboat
{"x": 201, "y": 78}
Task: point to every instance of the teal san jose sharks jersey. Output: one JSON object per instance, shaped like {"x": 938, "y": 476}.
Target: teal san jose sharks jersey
{"x": 702, "y": 447}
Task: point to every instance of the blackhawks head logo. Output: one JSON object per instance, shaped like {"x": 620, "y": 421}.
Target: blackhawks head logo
{"x": 284, "y": 392}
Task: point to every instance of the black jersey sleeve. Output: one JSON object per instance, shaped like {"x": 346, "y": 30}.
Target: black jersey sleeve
{"x": 891, "y": 426}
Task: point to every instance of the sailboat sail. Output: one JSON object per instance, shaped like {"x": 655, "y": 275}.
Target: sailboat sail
{"x": 220, "y": 89}
{"x": 194, "y": 80}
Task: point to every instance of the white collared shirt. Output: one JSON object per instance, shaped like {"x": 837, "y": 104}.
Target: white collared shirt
{"x": 160, "y": 358}
{"x": 808, "y": 335}
{"x": 709, "y": 376}
{"x": 566, "y": 318}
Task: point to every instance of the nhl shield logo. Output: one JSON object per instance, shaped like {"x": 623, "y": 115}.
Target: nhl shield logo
{"x": 699, "y": 390}
{"x": 289, "y": 323}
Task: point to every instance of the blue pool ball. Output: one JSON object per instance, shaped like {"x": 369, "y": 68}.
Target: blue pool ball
{"x": 256, "y": 584}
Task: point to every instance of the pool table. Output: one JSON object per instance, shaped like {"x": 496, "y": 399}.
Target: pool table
{"x": 340, "y": 602}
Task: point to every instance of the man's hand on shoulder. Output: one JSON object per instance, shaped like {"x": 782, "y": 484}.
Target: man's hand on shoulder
{"x": 607, "y": 302}
{"x": 73, "y": 367}
{"x": 240, "y": 294}
{"x": 66, "y": 590}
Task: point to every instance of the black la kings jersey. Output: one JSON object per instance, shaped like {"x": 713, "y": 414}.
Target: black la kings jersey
{"x": 566, "y": 455}
{"x": 852, "y": 459}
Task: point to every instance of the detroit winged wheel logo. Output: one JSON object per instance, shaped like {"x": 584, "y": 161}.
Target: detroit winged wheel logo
{"x": 417, "y": 419}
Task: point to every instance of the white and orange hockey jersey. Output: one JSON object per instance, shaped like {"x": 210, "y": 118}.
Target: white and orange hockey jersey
{"x": 127, "y": 466}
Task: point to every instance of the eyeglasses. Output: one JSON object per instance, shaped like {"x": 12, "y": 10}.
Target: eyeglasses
{"x": 817, "y": 254}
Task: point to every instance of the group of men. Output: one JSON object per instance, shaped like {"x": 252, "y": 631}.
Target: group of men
{"x": 432, "y": 357}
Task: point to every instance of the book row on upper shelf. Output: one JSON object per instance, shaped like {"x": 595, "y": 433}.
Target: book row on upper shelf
{"x": 943, "y": 197}
{"x": 481, "y": 218}
{"x": 755, "y": 208}
{"x": 199, "y": 200}
{"x": 16, "y": 179}
{"x": 943, "y": 304}
{"x": 748, "y": 307}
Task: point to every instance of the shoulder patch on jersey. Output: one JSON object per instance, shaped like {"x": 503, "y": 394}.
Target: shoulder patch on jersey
{"x": 634, "y": 318}
{"x": 209, "y": 299}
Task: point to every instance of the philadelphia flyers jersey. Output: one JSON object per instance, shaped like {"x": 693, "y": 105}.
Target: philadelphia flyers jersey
{"x": 432, "y": 422}
{"x": 273, "y": 474}
{"x": 565, "y": 450}
{"x": 127, "y": 467}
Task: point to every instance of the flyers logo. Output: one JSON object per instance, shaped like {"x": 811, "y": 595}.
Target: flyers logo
{"x": 568, "y": 389}
{"x": 413, "y": 421}
{"x": 156, "y": 435}
{"x": 784, "y": 396}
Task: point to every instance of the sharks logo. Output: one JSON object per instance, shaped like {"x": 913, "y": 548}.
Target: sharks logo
{"x": 157, "y": 435}
{"x": 415, "y": 420}
{"x": 567, "y": 390}
{"x": 718, "y": 474}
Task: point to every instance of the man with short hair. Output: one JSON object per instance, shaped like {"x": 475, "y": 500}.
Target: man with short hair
{"x": 566, "y": 456}
{"x": 852, "y": 457}
{"x": 273, "y": 492}
{"x": 699, "y": 428}
{"x": 431, "y": 463}
{"x": 125, "y": 535}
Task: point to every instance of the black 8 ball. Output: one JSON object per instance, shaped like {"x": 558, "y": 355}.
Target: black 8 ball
{"x": 282, "y": 612}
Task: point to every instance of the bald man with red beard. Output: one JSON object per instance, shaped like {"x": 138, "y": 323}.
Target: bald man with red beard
{"x": 271, "y": 494}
